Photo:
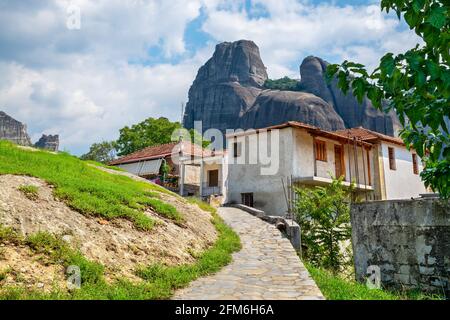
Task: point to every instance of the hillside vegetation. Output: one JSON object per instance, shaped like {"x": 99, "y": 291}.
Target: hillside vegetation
{"x": 130, "y": 239}
{"x": 87, "y": 189}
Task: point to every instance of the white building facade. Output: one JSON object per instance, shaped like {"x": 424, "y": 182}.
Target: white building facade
{"x": 309, "y": 156}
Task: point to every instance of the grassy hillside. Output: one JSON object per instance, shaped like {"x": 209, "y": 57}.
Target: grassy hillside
{"x": 335, "y": 288}
{"x": 87, "y": 189}
{"x": 95, "y": 193}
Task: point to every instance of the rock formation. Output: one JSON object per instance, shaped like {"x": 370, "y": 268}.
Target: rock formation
{"x": 49, "y": 142}
{"x": 312, "y": 72}
{"x": 228, "y": 93}
{"x": 16, "y": 132}
{"x": 13, "y": 130}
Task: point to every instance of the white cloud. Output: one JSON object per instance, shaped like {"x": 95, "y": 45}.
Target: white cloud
{"x": 86, "y": 84}
{"x": 291, "y": 30}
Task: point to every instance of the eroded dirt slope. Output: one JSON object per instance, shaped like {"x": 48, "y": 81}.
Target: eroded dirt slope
{"x": 116, "y": 244}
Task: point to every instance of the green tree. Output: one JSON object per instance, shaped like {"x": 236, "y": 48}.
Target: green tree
{"x": 416, "y": 84}
{"x": 323, "y": 214}
{"x": 283, "y": 84}
{"x": 147, "y": 133}
{"x": 103, "y": 152}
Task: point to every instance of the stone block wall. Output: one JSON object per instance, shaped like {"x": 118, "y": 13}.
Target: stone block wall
{"x": 409, "y": 240}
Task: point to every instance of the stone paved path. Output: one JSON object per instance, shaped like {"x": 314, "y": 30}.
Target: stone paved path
{"x": 267, "y": 267}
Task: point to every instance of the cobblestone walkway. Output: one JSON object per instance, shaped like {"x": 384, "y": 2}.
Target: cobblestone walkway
{"x": 267, "y": 267}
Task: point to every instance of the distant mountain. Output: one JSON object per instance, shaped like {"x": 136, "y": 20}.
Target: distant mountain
{"x": 229, "y": 93}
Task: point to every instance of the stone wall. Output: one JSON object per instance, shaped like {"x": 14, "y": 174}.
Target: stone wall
{"x": 409, "y": 240}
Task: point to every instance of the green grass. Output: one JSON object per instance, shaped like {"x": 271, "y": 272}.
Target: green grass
{"x": 159, "y": 281}
{"x": 31, "y": 192}
{"x": 87, "y": 189}
{"x": 202, "y": 204}
{"x": 99, "y": 164}
{"x": 335, "y": 288}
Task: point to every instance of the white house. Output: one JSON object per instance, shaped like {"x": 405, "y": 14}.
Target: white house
{"x": 213, "y": 171}
{"x": 260, "y": 160}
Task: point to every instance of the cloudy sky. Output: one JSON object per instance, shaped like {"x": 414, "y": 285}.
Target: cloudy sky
{"x": 130, "y": 60}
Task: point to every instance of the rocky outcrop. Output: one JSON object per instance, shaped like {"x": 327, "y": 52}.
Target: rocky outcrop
{"x": 49, "y": 142}
{"x": 225, "y": 86}
{"x": 275, "y": 107}
{"x": 228, "y": 93}
{"x": 312, "y": 72}
{"x": 13, "y": 130}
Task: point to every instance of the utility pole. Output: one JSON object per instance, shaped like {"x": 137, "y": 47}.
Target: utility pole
{"x": 182, "y": 113}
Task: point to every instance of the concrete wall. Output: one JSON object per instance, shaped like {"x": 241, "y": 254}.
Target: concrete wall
{"x": 244, "y": 177}
{"x": 401, "y": 183}
{"x": 409, "y": 240}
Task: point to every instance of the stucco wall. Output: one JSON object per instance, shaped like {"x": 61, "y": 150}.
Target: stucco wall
{"x": 409, "y": 240}
{"x": 304, "y": 159}
{"x": 267, "y": 190}
{"x": 401, "y": 183}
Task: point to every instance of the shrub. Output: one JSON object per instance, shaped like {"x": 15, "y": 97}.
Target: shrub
{"x": 323, "y": 214}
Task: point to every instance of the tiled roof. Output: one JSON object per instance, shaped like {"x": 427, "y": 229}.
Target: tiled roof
{"x": 365, "y": 135}
{"x": 163, "y": 150}
{"x": 368, "y": 135}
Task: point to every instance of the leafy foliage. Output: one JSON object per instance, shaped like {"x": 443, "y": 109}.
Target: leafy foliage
{"x": 103, "y": 152}
{"x": 147, "y": 133}
{"x": 416, "y": 84}
{"x": 284, "y": 84}
{"x": 323, "y": 214}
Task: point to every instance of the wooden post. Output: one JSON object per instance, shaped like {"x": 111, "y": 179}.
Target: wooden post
{"x": 314, "y": 155}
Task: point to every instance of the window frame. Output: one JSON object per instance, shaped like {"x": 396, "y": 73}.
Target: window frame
{"x": 321, "y": 155}
{"x": 392, "y": 160}
{"x": 250, "y": 197}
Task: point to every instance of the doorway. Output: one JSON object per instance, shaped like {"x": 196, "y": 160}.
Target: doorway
{"x": 339, "y": 161}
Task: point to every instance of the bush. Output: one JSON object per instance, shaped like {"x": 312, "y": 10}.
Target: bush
{"x": 323, "y": 214}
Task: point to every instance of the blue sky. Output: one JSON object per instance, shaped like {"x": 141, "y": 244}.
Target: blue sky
{"x": 134, "y": 59}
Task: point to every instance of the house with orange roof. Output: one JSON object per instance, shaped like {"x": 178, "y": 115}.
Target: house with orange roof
{"x": 260, "y": 162}
{"x": 193, "y": 170}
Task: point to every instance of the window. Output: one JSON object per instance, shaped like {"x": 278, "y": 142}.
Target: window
{"x": 391, "y": 152}
{"x": 236, "y": 149}
{"x": 415, "y": 164}
{"x": 247, "y": 199}
{"x": 213, "y": 178}
{"x": 321, "y": 150}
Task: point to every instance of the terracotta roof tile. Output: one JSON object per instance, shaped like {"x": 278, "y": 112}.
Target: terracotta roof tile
{"x": 368, "y": 135}
{"x": 163, "y": 150}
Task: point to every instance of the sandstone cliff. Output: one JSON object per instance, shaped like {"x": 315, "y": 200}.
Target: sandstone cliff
{"x": 228, "y": 93}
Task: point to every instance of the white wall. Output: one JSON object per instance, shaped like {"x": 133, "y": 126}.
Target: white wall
{"x": 267, "y": 190}
{"x": 304, "y": 159}
{"x": 401, "y": 183}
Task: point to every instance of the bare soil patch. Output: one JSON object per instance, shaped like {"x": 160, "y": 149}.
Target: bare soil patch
{"x": 116, "y": 244}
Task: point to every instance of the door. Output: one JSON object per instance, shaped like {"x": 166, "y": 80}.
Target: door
{"x": 339, "y": 161}
{"x": 213, "y": 178}
{"x": 247, "y": 199}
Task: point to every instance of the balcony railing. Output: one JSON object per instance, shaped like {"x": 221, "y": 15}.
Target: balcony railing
{"x": 208, "y": 190}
